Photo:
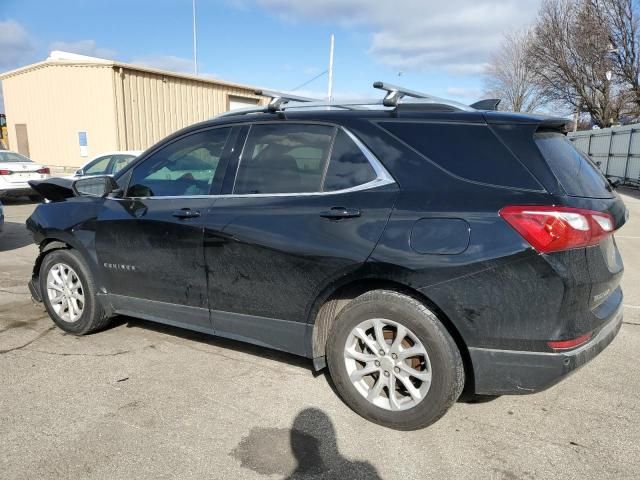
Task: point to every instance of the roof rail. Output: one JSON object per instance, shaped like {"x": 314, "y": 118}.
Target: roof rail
{"x": 280, "y": 98}
{"x": 396, "y": 93}
{"x": 281, "y": 101}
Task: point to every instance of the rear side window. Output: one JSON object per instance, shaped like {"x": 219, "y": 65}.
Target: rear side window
{"x": 574, "y": 170}
{"x": 348, "y": 166}
{"x": 121, "y": 161}
{"x": 471, "y": 152}
{"x": 284, "y": 159}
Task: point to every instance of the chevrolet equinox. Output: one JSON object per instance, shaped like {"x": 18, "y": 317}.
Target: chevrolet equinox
{"x": 414, "y": 246}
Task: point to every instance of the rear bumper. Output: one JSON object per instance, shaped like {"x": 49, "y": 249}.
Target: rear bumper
{"x": 499, "y": 372}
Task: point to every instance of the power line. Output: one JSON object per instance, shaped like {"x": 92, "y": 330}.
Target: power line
{"x": 309, "y": 81}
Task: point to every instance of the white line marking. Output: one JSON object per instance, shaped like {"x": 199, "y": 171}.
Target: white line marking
{"x": 632, "y": 306}
{"x": 626, "y": 236}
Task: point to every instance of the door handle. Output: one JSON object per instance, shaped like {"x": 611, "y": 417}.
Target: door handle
{"x": 186, "y": 213}
{"x": 336, "y": 213}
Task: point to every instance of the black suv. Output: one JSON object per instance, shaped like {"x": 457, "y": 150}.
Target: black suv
{"x": 414, "y": 246}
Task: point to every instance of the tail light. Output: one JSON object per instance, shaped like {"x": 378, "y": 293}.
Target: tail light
{"x": 5, "y": 172}
{"x": 551, "y": 229}
{"x": 44, "y": 170}
{"x": 568, "y": 344}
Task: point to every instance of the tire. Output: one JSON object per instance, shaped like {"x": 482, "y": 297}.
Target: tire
{"x": 440, "y": 363}
{"x": 91, "y": 317}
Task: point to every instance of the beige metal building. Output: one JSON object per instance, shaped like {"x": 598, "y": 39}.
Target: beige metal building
{"x": 69, "y": 108}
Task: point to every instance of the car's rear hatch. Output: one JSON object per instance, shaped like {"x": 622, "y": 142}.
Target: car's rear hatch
{"x": 585, "y": 187}
{"x": 591, "y": 274}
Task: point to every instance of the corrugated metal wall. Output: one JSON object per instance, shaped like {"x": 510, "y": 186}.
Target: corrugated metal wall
{"x": 118, "y": 106}
{"x": 152, "y": 105}
{"x": 55, "y": 102}
{"x": 615, "y": 150}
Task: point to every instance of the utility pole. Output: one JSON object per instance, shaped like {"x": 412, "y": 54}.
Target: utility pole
{"x": 195, "y": 41}
{"x": 330, "y": 91}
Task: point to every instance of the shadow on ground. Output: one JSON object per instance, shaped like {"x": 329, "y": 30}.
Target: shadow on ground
{"x": 631, "y": 192}
{"x": 208, "y": 339}
{"x": 309, "y": 449}
{"x": 14, "y": 235}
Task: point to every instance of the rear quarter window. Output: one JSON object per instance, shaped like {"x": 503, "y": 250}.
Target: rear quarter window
{"x": 471, "y": 152}
{"x": 577, "y": 174}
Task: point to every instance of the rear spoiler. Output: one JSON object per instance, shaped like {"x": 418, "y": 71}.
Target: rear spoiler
{"x": 555, "y": 123}
{"x": 488, "y": 104}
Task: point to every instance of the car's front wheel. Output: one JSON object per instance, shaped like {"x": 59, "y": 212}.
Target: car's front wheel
{"x": 69, "y": 293}
{"x": 393, "y": 361}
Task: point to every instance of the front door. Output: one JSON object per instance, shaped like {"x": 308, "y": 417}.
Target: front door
{"x": 150, "y": 243}
{"x": 306, "y": 210}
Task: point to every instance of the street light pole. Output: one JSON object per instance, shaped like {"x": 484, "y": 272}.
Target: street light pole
{"x": 195, "y": 40}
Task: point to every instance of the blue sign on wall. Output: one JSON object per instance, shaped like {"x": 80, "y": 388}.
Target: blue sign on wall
{"x": 82, "y": 138}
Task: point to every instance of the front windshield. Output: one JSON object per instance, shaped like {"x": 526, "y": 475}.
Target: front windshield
{"x": 6, "y": 157}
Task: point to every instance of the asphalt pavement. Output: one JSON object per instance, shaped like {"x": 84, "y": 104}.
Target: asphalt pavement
{"x": 141, "y": 400}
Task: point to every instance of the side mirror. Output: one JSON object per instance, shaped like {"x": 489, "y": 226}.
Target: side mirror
{"x": 79, "y": 173}
{"x": 96, "y": 187}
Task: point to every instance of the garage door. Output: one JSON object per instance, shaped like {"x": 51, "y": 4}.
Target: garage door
{"x": 241, "y": 102}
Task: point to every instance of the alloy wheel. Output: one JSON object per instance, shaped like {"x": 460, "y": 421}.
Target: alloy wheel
{"x": 387, "y": 364}
{"x": 65, "y": 292}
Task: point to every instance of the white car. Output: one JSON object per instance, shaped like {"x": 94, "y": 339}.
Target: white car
{"x": 15, "y": 171}
{"x": 107, "y": 164}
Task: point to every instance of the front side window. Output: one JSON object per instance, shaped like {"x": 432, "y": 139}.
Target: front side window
{"x": 284, "y": 159}
{"x": 99, "y": 166}
{"x": 183, "y": 168}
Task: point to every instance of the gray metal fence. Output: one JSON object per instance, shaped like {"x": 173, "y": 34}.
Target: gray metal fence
{"x": 615, "y": 150}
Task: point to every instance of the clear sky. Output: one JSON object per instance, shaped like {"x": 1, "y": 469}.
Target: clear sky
{"x": 435, "y": 46}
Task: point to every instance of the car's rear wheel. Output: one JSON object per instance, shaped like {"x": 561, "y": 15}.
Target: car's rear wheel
{"x": 393, "y": 361}
{"x": 68, "y": 292}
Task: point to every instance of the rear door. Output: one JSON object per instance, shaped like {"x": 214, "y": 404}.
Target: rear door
{"x": 305, "y": 207}
{"x": 150, "y": 243}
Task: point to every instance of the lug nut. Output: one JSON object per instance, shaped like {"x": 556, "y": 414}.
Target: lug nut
{"x": 386, "y": 374}
{"x": 381, "y": 352}
{"x": 377, "y": 363}
{"x": 394, "y": 356}
{"x": 397, "y": 369}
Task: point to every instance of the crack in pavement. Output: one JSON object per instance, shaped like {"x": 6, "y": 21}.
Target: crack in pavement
{"x": 14, "y": 293}
{"x": 64, "y": 354}
{"x": 37, "y": 337}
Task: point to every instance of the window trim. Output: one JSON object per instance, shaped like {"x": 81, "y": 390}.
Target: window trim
{"x": 383, "y": 177}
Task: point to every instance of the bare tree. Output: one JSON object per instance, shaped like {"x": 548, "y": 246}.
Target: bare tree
{"x": 571, "y": 56}
{"x": 510, "y": 75}
{"x": 624, "y": 33}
